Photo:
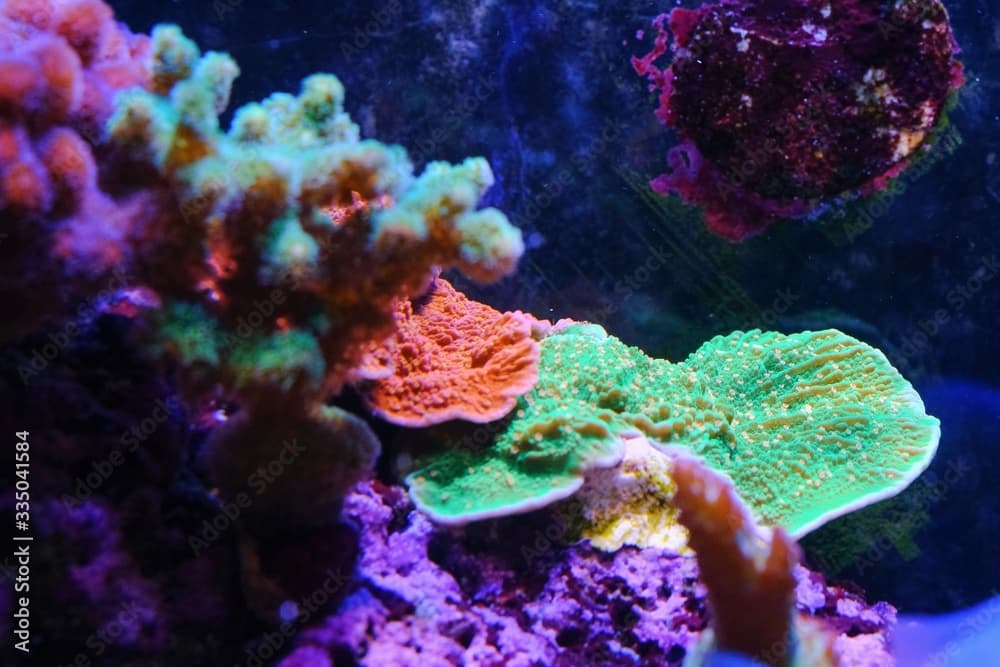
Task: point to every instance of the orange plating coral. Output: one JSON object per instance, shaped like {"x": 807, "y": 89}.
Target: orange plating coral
{"x": 454, "y": 358}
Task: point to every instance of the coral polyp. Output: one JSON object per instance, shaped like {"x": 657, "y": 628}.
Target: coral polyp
{"x": 783, "y": 106}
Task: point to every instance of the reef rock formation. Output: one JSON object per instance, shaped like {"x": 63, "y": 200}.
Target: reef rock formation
{"x": 427, "y": 597}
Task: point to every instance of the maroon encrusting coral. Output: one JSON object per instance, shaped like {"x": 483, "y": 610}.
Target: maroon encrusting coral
{"x": 781, "y": 105}
{"x": 513, "y": 594}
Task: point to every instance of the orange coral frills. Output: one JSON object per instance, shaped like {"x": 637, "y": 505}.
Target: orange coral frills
{"x": 454, "y": 358}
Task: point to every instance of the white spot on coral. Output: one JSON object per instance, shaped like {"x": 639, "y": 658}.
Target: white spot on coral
{"x": 906, "y": 142}
{"x": 874, "y": 74}
{"x": 818, "y": 34}
{"x": 744, "y": 42}
{"x": 927, "y": 113}
{"x": 712, "y": 492}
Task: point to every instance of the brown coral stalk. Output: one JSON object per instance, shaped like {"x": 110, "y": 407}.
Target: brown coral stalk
{"x": 750, "y": 578}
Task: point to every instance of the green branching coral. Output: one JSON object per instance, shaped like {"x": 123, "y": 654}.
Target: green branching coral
{"x": 277, "y": 252}
{"x": 808, "y": 426}
{"x": 280, "y": 248}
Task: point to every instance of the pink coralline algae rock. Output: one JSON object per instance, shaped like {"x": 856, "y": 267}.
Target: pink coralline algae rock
{"x": 508, "y": 593}
{"x": 862, "y": 629}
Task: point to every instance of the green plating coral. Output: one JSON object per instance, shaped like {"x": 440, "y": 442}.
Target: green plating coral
{"x": 808, "y": 426}
{"x": 822, "y": 424}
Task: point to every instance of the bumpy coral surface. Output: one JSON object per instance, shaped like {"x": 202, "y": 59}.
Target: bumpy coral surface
{"x": 61, "y": 63}
{"x": 822, "y": 416}
{"x": 555, "y": 437}
{"x": 453, "y": 358}
{"x": 262, "y": 260}
{"x": 515, "y": 595}
{"x": 292, "y": 238}
{"x": 782, "y": 105}
{"x": 268, "y": 257}
{"x": 809, "y": 426}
